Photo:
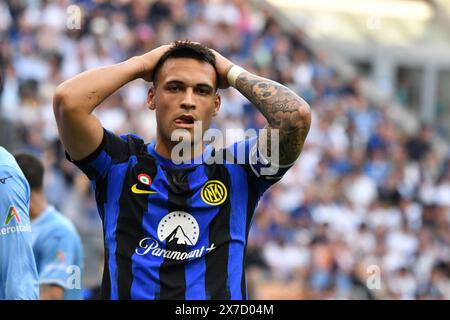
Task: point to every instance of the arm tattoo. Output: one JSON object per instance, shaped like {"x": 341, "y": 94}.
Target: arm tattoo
{"x": 283, "y": 109}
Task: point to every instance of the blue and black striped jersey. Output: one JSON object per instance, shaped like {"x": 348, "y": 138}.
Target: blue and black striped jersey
{"x": 174, "y": 231}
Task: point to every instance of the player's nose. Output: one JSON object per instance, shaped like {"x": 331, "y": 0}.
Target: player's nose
{"x": 188, "y": 99}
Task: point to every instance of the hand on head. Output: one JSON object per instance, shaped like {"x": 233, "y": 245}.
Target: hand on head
{"x": 151, "y": 58}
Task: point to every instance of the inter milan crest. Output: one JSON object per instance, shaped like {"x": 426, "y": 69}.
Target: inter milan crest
{"x": 214, "y": 192}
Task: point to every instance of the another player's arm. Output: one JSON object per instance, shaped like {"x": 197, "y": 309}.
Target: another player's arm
{"x": 50, "y": 292}
{"x": 17, "y": 262}
{"x": 283, "y": 109}
{"x": 75, "y": 100}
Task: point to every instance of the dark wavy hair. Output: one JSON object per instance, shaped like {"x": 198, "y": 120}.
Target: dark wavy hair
{"x": 32, "y": 168}
{"x": 186, "y": 49}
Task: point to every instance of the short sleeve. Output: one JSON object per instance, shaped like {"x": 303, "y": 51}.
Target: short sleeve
{"x": 113, "y": 149}
{"x": 265, "y": 171}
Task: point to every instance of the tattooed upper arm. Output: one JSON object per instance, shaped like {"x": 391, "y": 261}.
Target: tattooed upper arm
{"x": 283, "y": 109}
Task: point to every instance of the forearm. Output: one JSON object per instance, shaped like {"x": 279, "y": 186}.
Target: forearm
{"x": 75, "y": 100}
{"x": 283, "y": 109}
{"x": 87, "y": 90}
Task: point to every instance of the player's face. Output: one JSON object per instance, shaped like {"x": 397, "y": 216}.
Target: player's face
{"x": 185, "y": 93}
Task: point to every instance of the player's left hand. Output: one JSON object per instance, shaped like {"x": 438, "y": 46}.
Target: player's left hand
{"x": 223, "y": 65}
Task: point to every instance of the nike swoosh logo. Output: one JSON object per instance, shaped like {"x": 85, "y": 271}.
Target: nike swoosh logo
{"x": 3, "y": 180}
{"x": 134, "y": 189}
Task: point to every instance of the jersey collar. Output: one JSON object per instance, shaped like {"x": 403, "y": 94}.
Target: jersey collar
{"x": 168, "y": 162}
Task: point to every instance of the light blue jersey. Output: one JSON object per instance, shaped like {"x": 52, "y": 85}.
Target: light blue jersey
{"x": 58, "y": 252}
{"x": 18, "y": 274}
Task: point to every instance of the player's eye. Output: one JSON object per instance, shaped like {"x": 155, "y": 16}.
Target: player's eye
{"x": 174, "y": 88}
{"x": 203, "y": 91}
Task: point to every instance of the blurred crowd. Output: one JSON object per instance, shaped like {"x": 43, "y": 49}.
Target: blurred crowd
{"x": 363, "y": 214}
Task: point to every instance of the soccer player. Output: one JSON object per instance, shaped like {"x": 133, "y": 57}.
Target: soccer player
{"x": 18, "y": 274}
{"x": 177, "y": 230}
{"x": 56, "y": 244}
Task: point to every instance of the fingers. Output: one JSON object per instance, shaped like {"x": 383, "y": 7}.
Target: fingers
{"x": 222, "y": 64}
{"x": 185, "y": 42}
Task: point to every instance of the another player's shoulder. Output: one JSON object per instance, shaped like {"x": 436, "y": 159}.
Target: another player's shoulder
{"x": 7, "y": 160}
{"x": 5, "y": 153}
{"x": 61, "y": 222}
{"x": 10, "y": 172}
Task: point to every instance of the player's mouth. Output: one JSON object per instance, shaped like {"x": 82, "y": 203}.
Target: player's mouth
{"x": 185, "y": 121}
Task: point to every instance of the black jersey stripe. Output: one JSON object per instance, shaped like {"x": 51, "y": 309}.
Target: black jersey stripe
{"x": 100, "y": 187}
{"x": 216, "y": 276}
{"x": 172, "y": 272}
{"x": 129, "y": 230}
{"x": 106, "y": 280}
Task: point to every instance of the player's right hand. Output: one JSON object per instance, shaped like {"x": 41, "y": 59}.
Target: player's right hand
{"x": 223, "y": 65}
{"x": 150, "y": 59}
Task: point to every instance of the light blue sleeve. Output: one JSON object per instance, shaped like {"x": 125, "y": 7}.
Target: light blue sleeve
{"x": 57, "y": 255}
{"x": 18, "y": 273}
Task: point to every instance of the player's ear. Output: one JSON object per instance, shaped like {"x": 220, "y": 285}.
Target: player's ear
{"x": 151, "y": 98}
{"x": 217, "y": 102}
